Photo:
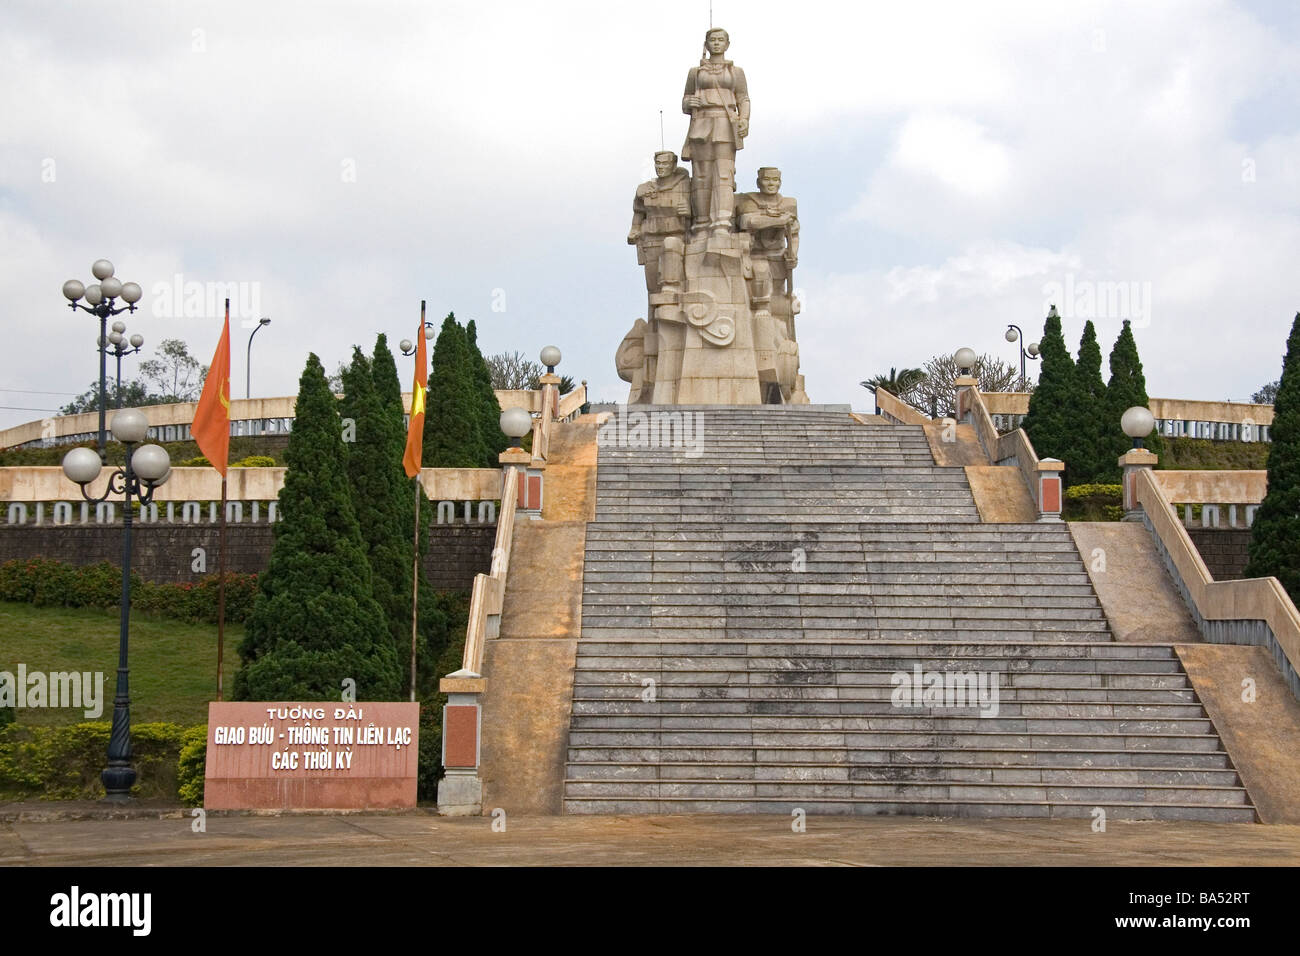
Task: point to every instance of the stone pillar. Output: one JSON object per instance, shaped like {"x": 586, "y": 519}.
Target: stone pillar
{"x": 529, "y": 500}
{"x": 964, "y": 384}
{"x": 1049, "y": 489}
{"x": 460, "y": 792}
{"x": 550, "y": 383}
{"x": 1133, "y": 461}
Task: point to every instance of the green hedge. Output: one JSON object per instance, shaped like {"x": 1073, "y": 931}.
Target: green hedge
{"x": 47, "y": 583}
{"x": 268, "y": 446}
{"x": 1204, "y": 454}
{"x": 248, "y": 461}
{"x": 1094, "y": 502}
{"x": 64, "y": 763}
{"x": 190, "y": 765}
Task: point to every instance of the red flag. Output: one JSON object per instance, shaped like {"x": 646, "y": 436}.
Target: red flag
{"x": 415, "y": 434}
{"x": 211, "y": 427}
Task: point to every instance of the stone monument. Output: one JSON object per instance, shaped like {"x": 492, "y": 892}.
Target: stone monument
{"x": 719, "y": 268}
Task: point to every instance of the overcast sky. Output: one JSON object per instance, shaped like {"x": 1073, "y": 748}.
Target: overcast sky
{"x": 957, "y": 166}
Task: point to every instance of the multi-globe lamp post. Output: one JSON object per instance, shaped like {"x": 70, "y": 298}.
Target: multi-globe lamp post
{"x": 408, "y": 347}
{"x": 146, "y": 468}
{"x": 122, "y": 346}
{"x": 1015, "y": 334}
{"x": 100, "y": 298}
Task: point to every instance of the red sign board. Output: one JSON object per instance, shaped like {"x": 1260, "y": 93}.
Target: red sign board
{"x": 311, "y": 755}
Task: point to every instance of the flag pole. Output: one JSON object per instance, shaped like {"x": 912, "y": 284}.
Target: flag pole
{"x": 415, "y": 545}
{"x": 415, "y": 582}
{"x": 221, "y": 590}
{"x": 221, "y": 568}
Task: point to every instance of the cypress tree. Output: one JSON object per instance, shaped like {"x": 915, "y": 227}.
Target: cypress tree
{"x": 494, "y": 439}
{"x": 433, "y": 635}
{"x": 1127, "y": 387}
{"x": 1086, "y": 460}
{"x": 315, "y": 622}
{"x": 376, "y": 498}
{"x": 452, "y": 422}
{"x": 1275, "y": 535}
{"x": 1053, "y": 405}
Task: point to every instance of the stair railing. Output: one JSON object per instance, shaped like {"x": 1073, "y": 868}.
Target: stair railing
{"x": 1042, "y": 477}
{"x": 894, "y": 409}
{"x": 489, "y": 589}
{"x": 1250, "y": 611}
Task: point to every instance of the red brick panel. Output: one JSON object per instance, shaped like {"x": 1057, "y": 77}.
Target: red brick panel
{"x": 460, "y": 735}
{"x": 1051, "y": 495}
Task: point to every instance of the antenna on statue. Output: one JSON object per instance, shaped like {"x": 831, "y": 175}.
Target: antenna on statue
{"x": 710, "y": 14}
{"x": 661, "y": 131}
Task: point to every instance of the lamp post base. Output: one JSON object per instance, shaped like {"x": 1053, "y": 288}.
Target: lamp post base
{"x": 118, "y": 779}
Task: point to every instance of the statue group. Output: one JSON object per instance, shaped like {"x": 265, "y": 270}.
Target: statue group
{"x": 719, "y": 267}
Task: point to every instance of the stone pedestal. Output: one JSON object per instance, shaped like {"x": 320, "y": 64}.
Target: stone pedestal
{"x": 460, "y": 792}
{"x": 1049, "y": 489}
{"x": 706, "y": 350}
{"x": 964, "y": 384}
{"x": 1131, "y": 462}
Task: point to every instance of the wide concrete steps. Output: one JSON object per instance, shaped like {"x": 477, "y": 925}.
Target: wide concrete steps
{"x": 678, "y": 726}
{"x": 795, "y": 579}
{"x": 793, "y": 611}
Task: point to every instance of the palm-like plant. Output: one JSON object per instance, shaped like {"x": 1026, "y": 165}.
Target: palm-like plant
{"x": 899, "y": 382}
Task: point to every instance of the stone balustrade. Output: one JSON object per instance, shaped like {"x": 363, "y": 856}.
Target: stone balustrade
{"x": 1249, "y": 611}
{"x": 1227, "y": 499}
{"x": 41, "y": 494}
{"x": 248, "y": 417}
{"x": 1175, "y": 417}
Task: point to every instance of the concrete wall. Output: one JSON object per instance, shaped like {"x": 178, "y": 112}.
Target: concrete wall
{"x": 1224, "y": 550}
{"x": 256, "y": 416}
{"x": 47, "y": 483}
{"x": 164, "y": 553}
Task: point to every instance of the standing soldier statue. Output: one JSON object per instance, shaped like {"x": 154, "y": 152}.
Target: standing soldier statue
{"x": 772, "y": 222}
{"x": 717, "y": 101}
{"x": 661, "y": 213}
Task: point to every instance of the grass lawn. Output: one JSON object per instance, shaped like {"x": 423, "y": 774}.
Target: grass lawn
{"x": 173, "y": 664}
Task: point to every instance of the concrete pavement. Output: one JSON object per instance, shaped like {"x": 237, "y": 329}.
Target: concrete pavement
{"x": 423, "y": 839}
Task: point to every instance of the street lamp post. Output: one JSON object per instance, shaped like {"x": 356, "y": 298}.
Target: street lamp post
{"x": 146, "y": 468}
{"x": 248, "y": 361}
{"x": 406, "y": 345}
{"x": 117, "y": 338}
{"x": 100, "y": 297}
{"x": 1014, "y": 334}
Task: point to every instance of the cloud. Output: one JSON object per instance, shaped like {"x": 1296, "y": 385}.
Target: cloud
{"x": 948, "y": 159}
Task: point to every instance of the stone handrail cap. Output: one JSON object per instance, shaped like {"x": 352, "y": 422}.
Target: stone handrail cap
{"x": 1137, "y": 456}
{"x": 463, "y": 681}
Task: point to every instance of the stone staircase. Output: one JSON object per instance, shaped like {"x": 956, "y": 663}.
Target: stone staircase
{"x": 752, "y": 603}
